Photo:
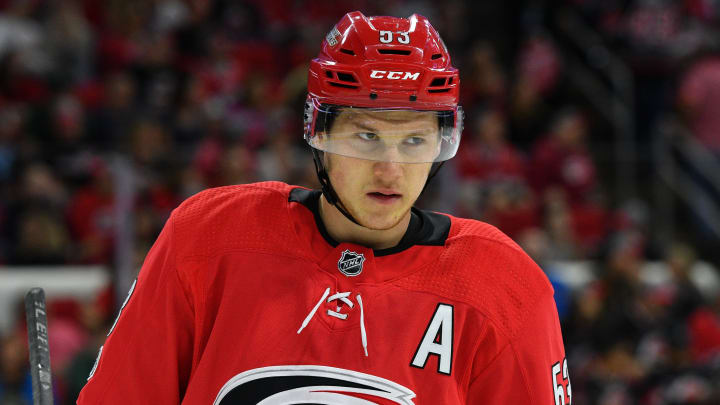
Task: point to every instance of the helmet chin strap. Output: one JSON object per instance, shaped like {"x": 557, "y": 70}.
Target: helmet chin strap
{"x": 327, "y": 188}
{"x": 332, "y": 197}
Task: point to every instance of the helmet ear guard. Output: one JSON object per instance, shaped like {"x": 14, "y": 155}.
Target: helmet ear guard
{"x": 308, "y": 118}
{"x": 323, "y": 177}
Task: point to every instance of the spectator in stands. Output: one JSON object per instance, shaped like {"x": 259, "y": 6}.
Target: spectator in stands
{"x": 699, "y": 101}
{"x": 36, "y": 218}
{"x": 492, "y": 169}
{"x": 70, "y": 41}
{"x": 537, "y": 75}
{"x": 536, "y": 244}
{"x": 487, "y": 80}
{"x": 110, "y": 122}
{"x": 487, "y": 156}
{"x": 15, "y": 384}
{"x": 42, "y": 238}
{"x": 237, "y": 165}
{"x": 700, "y": 331}
{"x": 686, "y": 297}
{"x": 96, "y": 323}
{"x": 67, "y": 148}
{"x": 191, "y": 117}
{"x": 150, "y": 147}
{"x": 282, "y": 158}
{"x": 561, "y": 158}
{"x": 563, "y": 174}
{"x": 91, "y": 219}
{"x": 12, "y": 123}
{"x": 704, "y": 334}
{"x": 557, "y": 220}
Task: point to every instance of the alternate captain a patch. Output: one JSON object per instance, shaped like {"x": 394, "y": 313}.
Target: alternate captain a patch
{"x": 351, "y": 263}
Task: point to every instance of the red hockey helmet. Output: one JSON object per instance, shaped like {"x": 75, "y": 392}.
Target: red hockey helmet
{"x": 384, "y": 64}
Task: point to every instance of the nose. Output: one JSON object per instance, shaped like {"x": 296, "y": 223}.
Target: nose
{"x": 387, "y": 167}
{"x": 387, "y": 171}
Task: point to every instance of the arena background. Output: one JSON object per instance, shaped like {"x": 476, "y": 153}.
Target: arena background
{"x": 592, "y": 139}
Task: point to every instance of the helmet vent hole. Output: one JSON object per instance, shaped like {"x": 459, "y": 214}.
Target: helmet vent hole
{"x": 404, "y": 52}
{"x": 438, "y": 91}
{"x": 346, "y": 77}
{"x": 450, "y": 80}
{"x": 436, "y": 56}
{"x": 329, "y": 74}
{"x": 347, "y": 51}
{"x": 437, "y": 82}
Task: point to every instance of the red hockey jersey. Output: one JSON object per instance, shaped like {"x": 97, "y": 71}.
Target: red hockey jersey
{"x": 245, "y": 299}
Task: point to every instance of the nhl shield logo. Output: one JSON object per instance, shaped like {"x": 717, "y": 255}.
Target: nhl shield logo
{"x": 351, "y": 263}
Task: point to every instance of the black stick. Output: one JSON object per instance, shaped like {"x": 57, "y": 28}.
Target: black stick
{"x": 39, "y": 347}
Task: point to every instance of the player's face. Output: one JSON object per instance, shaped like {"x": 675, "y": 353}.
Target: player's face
{"x": 380, "y": 193}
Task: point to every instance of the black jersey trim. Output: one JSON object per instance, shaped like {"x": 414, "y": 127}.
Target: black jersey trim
{"x": 257, "y": 390}
{"x": 426, "y": 228}
{"x": 311, "y": 200}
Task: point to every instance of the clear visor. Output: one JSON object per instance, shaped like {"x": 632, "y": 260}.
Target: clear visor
{"x": 389, "y": 135}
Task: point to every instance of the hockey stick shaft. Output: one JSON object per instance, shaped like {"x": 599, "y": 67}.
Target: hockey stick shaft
{"x": 39, "y": 347}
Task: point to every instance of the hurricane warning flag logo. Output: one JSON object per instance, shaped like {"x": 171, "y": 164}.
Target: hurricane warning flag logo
{"x": 321, "y": 385}
{"x": 351, "y": 263}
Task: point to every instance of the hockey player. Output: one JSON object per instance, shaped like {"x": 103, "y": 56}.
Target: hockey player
{"x": 273, "y": 294}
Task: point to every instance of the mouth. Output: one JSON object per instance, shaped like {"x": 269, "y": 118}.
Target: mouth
{"x": 384, "y": 197}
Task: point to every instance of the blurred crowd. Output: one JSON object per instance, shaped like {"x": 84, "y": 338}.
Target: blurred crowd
{"x": 175, "y": 96}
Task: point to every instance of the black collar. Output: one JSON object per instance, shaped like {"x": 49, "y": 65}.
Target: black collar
{"x": 426, "y": 228}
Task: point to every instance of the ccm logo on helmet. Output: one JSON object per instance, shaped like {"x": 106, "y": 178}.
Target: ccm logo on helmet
{"x": 383, "y": 74}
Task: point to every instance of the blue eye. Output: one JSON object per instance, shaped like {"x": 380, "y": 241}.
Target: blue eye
{"x": 367, "y": 136}
{"x": 415, "y": 140}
